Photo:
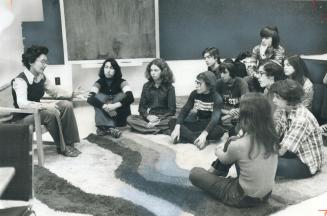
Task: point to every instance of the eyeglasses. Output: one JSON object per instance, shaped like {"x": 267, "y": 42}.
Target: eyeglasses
{"x": 44, "y": 62}
{"x": 197, "y": 82}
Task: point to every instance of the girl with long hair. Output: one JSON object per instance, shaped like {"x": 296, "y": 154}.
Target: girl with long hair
{"x": 295, "y": 69}
{"x": 158, "y": 100}
{"x": 111, "y": 97}
{"x": 254, "y": 154}
{"x": 269, "y": 48}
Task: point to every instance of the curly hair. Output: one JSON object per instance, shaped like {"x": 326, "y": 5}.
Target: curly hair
{"x": 259, "y": 125}
{"x": 32, "y": 53}
{"x": 116, "y": 67}
{"x": 166, "y": 74}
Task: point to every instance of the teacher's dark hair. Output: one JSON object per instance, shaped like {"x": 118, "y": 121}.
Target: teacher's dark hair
{"x": 32, "y": 53}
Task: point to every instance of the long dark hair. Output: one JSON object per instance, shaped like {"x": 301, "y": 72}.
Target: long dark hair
{"x": 256, "y": 119}
{"x": 116, "y": 67}
{"x": 166, "y": 74}
{"x": 300, "y": 68}
{"x": 271, "y": 31}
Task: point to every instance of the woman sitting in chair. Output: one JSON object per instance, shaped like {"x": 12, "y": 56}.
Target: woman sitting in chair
{"x": 58, "y": 117}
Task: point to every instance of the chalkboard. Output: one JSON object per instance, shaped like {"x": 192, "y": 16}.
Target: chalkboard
{"x": 186, "y": 27}
{"x": 46, "y": 33}
{"x": 98, "y": 29}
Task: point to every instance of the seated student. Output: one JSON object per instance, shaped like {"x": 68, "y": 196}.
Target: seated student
{"x": 111, "y": 97}
{"x": 212, "y": 59}
{"x": 269, "y": 48}
{"x": 300, "y": 148}
{"x": 254, "y": 154}
{"x": 295, "y": 68}
{"x": 268, "y": 73}
{"x": 204, "y": 125}
{"x": 58, "y": 117}
{"x": 158, "y": 100}
{"x": 231, "y": 88}
{"x": 240, "y": 67}
{"x": 251, "y": 70}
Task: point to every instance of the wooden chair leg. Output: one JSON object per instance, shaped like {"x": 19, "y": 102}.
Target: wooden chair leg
{"x": 39, "y": 143}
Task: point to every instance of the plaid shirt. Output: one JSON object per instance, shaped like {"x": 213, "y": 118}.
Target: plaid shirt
{"x": 301, "y": 135}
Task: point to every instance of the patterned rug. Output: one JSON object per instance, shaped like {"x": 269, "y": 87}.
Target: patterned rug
{"x": 145, "y": 175}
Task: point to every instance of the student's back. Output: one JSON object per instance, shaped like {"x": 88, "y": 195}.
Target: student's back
{"x": 257, "y": 174}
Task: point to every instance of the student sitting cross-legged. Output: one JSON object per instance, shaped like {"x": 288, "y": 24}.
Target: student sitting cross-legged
{"x": 254, "y": 154}
{"x": 111, "y": 97}
{"x": 158, "y": 100}
{"x": 301, "y": 139}
{"x": 202, "y": 126}
{"x": 231, "y": 88}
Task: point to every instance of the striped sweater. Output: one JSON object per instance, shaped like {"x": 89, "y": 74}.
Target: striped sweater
{"x": 208, "y": 107}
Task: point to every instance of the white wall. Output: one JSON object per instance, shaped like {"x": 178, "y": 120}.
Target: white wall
{"x": 75, "y": 76}
{"x": 11, "y": 40}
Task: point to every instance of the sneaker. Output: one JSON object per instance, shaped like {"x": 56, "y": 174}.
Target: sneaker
{"x": 100, "y": 131}
{"x": 114, "y": 132}
{"x": 68, "y": 152}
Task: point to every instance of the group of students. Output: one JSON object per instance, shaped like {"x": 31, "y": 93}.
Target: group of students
{"x": 262, "y": 99}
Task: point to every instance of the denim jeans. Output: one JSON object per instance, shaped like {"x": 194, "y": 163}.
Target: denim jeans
{"x": 290, "y": 166}
{"x": 225, "y": 190}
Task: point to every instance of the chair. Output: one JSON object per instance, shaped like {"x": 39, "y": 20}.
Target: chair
{"x": 6, "y": 115}
{"x": 16, "y": 151}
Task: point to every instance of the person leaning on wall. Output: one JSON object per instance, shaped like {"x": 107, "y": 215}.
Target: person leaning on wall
{"x": 58, "y": 117}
